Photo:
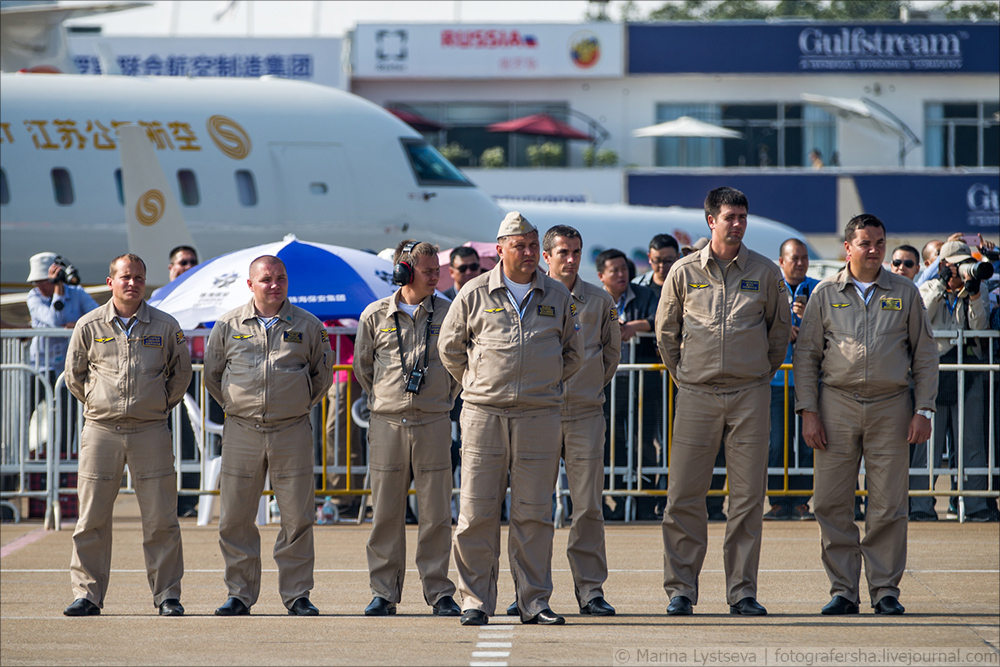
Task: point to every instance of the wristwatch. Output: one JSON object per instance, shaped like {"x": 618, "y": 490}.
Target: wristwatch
{"x": 926, "y": 414}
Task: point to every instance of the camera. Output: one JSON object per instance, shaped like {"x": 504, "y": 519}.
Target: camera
{"x": 416, "y": 379}
{"x": 975, "y": 270}
{"x": 67, "y": 272}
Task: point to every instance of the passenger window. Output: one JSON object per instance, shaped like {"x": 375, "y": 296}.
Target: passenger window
{"x": 118, "y": 185}
{"x": 4, "y": 192}
{"x": 318, "y": 188}
{"x": 189, "y": 187}
{"x": 246, "y": 189}
{"x": 62, "y": 186}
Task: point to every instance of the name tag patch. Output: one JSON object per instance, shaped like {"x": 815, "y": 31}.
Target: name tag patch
{"x": 435, "y": 329}
{"x": 152, "y": 341}
{"x": 292, "y": 336}
{"x": 888, "y": 303}
{"x": 547, "y": 311}
{"x": 749, "y": 285}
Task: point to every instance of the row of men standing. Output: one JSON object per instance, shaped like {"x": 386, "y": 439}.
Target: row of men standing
{"x": 532, "y": 356}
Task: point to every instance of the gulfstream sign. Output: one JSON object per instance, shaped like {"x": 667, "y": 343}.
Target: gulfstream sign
{"x": 807, "y": 48}
{"x": 857, "y": 48}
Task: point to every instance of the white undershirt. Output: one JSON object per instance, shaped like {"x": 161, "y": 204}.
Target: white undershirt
{"x": 517, "y": 290}
{"x": 408, "y": 308}
{"x": 863, "y": 288}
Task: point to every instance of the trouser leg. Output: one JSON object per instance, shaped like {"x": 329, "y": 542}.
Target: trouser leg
{"x": 583, "y": 448}
{"x": 290, "y": 465}
{"x": 430, "y": 453}
{"x": 102, "y": 461}
{"x": 389, "y": 466}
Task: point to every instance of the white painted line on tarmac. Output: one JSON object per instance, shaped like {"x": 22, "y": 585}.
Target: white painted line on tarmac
{"x": 492, "y": 632}
{"x": 475, "y": 663}
{"x": 491, "y": 654}
{"x": 493, "y": 645}
{"x": 505, "y": 627}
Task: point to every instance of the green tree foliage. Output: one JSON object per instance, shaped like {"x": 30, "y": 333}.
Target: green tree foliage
{"x": 823, "y": 10}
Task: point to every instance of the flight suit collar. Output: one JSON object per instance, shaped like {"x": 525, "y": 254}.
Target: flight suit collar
{"x": 579, "y": 290}
{"x": 496, "y": 279}
{"x": 845, "y": 279}
{"x": 705, "y": 256}
{"x": 248, "y": 312}
{"x": 427, "y": 304}
{"x": 141, "y": 315}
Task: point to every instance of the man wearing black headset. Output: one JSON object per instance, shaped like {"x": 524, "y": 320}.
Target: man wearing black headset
{"x": 410, "y": 395}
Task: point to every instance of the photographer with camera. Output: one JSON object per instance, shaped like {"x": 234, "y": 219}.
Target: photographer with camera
{"x": 410, "y": 395}
{"x": 954, "y": 301}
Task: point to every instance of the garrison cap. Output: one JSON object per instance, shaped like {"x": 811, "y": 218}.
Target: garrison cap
{"x": 514, "y": 224}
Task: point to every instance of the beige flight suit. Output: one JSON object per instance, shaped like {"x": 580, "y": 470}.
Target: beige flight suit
{"x": 583, "y": 427}
{"x": 128, "y": 385}
{"x": 865, "y": 356}
{"x": 267, "y": 382}
{"x": 512, "y": 368}
{"x": 409, "y": 437}
{"x": 722, "y": 336}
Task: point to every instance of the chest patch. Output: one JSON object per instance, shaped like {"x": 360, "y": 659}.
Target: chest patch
{"x": 152, "y": 341}
{"x": 242, "y": 336}
{"x": 888, "y": 303}
{"x": 493, "y": 310}
{"x": 435, "y": 329}
{"x": 840, "y": 305}
{"x": 107, "y": 339}
{"x": 547, "y": 311}
{"x": 749, "y": 285}
{"x": 697, "y": 285}
{"x": 292, "y": 336}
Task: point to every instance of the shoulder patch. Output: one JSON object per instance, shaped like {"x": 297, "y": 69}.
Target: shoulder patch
{"x": 106, "y": 339}
{"x": 781, "y": 286}
{"x": 697, "y": 285}
{"x": 324, "y": 336}
{"x": 242, "y": 336}
{"x": 152, "y": 341}
{"x": 889, "y": 303}
{"x": 547, "y": 311}
{"x": 614, "y": 313}
{"x": 292, "y": 336}
{"x": 181, "y": 338}
{"x": 572, "y": 310}
{"x": 749, "y": 285}
{"x": 493, "y": 310}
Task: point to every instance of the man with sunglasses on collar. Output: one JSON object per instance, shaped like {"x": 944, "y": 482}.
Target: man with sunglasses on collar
{"x": 410, "y": 393}
{"x": 905, "y": 261}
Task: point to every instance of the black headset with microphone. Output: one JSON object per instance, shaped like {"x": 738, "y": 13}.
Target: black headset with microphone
{"x": 402, "y": 272}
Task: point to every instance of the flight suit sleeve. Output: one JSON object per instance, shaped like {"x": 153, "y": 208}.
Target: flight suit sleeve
{"x": 77, "y": 363}
{"x": 979, "y": 313}
{"x": 178, "y": 370}
{"x": 778, "y": 317}
{"x": 364, "y": 355}
{"x": 932, "y": 296}
{"x": 669, "y": 321}
{"x": 572, "y": 342}
{"x": 320, "y": 365}
{"x": 453, "y": 341}
{"x": 215, "y": 361}
{"x": 925, "y": 358}
{"x": 611, "y": 340}
{"x": 808, "y": 356}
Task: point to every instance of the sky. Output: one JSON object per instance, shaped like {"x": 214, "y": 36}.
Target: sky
{"x": 298, "y": 17}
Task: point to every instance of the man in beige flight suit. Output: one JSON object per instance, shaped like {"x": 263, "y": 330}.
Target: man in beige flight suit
{"x": 410, "y": 395}
{"x": 129, "y": 365}
{"x": 267, "y": 364}
{"x": 722, "y": 328}
{"x": 865, "y": 337}
{"x": 510, "y": 339}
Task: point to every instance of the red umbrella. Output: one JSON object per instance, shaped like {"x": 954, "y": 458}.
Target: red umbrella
{"x": 541, "y": 124}
{"x": 418, "y": 123}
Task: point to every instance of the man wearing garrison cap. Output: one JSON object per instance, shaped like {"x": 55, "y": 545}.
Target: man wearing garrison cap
{"x": 511, "y": 339}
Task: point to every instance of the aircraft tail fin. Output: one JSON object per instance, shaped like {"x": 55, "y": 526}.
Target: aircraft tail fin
{"x": 152, "y": 213}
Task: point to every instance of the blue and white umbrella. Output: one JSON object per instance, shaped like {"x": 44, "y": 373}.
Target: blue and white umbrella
{"x": 329, "y": 281}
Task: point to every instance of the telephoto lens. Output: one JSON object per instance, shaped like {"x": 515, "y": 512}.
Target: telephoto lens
{"x": 975, "y": 270}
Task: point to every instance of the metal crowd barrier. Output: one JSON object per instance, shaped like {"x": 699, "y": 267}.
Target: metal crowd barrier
{"x": 23, "y": 454}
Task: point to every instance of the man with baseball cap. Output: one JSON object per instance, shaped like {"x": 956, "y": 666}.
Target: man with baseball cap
{"x": 511, "y": 339}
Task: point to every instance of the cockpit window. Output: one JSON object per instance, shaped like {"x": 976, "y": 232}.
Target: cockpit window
{"x": 430, "y": 167}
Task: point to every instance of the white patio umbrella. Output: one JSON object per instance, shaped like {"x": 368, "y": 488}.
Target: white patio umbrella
{"x": 686, "y": 126}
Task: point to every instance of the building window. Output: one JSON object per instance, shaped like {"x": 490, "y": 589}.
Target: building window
{"x": 4, "y": 190}
{"x": 189, "y": 187}
{"x": 62, "y": 186}
{"x": 119, "y": 187}
{"x": 773, "y": 135}
{"x": 246, "y": 189}
{"x": 962, "y": 134}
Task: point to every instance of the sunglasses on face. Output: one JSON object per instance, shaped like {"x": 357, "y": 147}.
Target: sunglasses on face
{"x": 908, "y": 263}
{"x": 186, "y": 262}
{"x": 465, "y": 268}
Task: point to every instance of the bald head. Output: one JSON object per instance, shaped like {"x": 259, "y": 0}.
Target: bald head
{"x": 930, "y": 251}
{"x": 265, "y": 261}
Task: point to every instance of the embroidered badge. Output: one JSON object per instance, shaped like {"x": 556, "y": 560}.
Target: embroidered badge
{"x": 697, "y": 285}
{"x": 242, "y": 336}
{"x": 840, "y": 305}
{"x": 324, "y": 336}
{"x": 292, "y": 336}
{"x": 435, "y": 329}
{"x": 749, "y": 285}
{"x": 614, "y": 313}
{"x": 104, "y": 340}
{"x": 888, "y": 303}
{"x": 572, "y": 310}
{"x": 547, "y": 311}
{"x": 152, "y": 341}
{"x": 493, "y": 310}
{"x": 181, "y": 339}
{"x": 389, "y": 330}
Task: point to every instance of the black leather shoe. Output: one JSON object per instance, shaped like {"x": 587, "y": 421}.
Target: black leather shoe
{"x": 446, "y": 606}
{"x": 889, "y": 605}
{"x": 512, "y": 609}
{"x": 680, "y": 605}
{"x": 597, "y": 607}
{"x": 171, "y": 607}
{"x": 233, "y": 607}
{"x": 839, "y": 606}
{"x": 303, "y": 607}
{"x": 748, "y": 607}
{"x": 380, "y": 607}
{"x": 474, "y": 617}
{"x": 82, "y": 607}
{"x": 544, "y": 617}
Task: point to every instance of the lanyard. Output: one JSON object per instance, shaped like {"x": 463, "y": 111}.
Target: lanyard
{"x": 268, "y": 323}
{"x": 127, "y": 327}
{"x": 427, "y": 341}
{"x": 523, "y": 307}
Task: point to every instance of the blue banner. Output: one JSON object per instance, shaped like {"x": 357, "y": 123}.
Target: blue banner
{"x": 907, "y": 203}
{"x": 741, "y": 48}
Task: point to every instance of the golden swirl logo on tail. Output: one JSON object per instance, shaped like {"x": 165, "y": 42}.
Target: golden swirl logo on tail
{"x": 149, "y": 208}
{"x": 229, "y": 137}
